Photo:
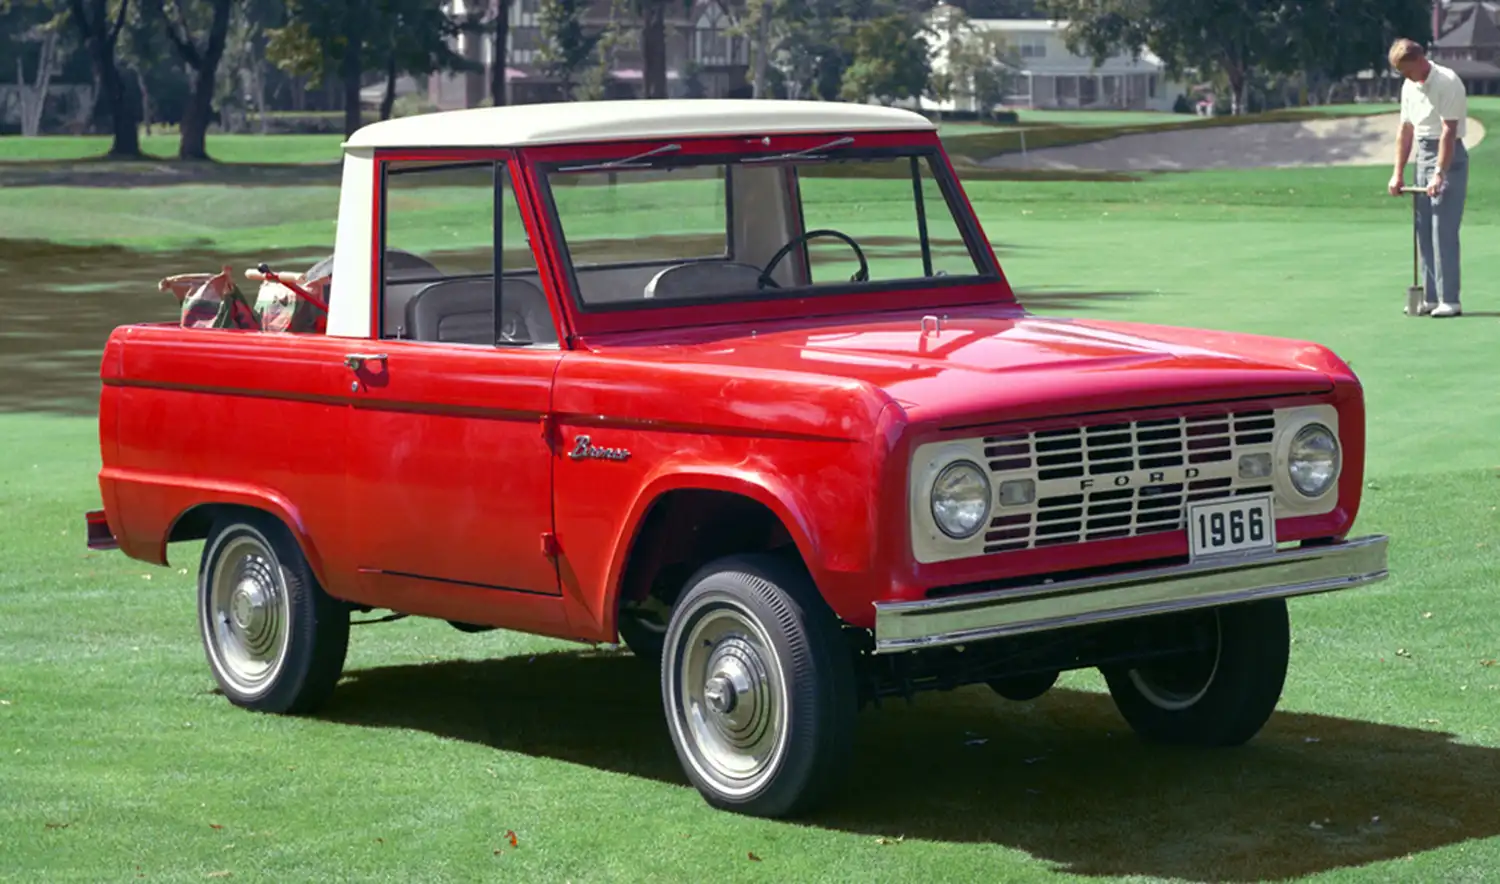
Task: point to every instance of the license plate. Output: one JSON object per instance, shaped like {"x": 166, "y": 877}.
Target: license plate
{"x": 1238, "y": 525}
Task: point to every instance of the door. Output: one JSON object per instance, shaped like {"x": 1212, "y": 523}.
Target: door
{"x": 449, "y": 479}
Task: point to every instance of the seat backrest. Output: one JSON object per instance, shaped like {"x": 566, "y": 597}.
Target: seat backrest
{"x": 399, "y": 267}
{"x": 703, "y": 279}
{"x": 462, "y": 311}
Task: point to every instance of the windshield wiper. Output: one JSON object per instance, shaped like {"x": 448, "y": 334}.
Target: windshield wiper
{"x": 804, "y": 153}
{"x": 632, "y": 162}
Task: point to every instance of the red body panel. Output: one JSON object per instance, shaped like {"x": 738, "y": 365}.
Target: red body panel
{"x": 441, "y": 480}
{"x": 449, "y": 455}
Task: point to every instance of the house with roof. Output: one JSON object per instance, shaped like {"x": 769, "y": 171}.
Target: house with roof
{"x": 703, "y": 59}
{"x": 1466, "y": 38}
{"x": 1044, "y": 73}
{"x": 1468, "y": 41}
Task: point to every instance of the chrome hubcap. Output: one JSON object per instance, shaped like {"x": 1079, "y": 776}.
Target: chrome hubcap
{"x": 247, "y": 613}
{"x": 730, "y": 699}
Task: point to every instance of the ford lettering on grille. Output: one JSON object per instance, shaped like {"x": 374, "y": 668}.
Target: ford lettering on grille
{"x": 1122, "y": 479}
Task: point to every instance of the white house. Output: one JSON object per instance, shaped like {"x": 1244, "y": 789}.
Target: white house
{"x": 1046, "y": 75}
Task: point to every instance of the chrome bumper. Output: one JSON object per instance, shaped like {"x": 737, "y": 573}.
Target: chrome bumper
{"x": 902, "y": 626}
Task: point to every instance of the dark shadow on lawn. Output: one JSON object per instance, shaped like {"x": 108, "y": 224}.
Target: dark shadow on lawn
{"x": 1060, "y": 778}
{"x": 1058, "y": 298}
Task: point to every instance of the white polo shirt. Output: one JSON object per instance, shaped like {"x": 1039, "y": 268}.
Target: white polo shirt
{"x": 1440, "y": 97}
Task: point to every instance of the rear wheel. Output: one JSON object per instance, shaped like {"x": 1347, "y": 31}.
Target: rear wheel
{"x": 275, "y": 641}
{"x": 1219, "y": 695}
{"x": 758, "y": 687}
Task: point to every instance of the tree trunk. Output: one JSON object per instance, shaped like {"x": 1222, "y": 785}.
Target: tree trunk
{"x": 34, "y": 97}
{"x": 388, "y": 101}
{"x": 351, "y": 71}
{"x": 499, "y": 54}
{"x": 762, "y": 50}
{"x": 127, "y": 137}
{"x": 193, "y": 145}
{"x": 100, "y": 35}
{"x": 1238, "y": 87}
{"x": 654, "y": 48}
{"x": 140, "y": 82}
{"x": 257, "y": 73}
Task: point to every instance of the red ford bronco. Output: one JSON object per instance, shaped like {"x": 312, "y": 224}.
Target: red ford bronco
{"x": 742, "y": 385}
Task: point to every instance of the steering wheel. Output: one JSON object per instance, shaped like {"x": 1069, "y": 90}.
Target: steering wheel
{"x": 860, "y": 275}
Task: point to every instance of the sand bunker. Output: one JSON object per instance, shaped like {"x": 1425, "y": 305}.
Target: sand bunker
{"x": 1347, "y": 141}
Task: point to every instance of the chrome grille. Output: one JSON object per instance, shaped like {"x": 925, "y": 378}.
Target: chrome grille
{"x": 1121, "y": 479}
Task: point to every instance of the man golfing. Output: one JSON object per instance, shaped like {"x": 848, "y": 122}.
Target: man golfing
{"x": 1434, "y": 110}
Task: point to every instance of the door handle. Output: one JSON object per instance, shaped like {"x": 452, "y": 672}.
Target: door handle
{"x": 356, "y": 361}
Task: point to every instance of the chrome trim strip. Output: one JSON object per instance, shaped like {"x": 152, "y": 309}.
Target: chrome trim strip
{"x": 901, "y": 626}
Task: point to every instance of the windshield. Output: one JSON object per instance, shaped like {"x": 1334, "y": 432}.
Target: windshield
{"x": 658, "y": 228}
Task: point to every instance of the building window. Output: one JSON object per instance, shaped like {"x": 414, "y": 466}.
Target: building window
{"x": 712, "y": 44}
{"x": 1032, "y": 47}
{"x": 524, "y": 42}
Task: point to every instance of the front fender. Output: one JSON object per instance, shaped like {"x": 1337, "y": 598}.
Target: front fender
{"x": 765, "y": 489}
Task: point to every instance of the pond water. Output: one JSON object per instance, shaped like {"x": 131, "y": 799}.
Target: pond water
{"x": 58, "y": 305}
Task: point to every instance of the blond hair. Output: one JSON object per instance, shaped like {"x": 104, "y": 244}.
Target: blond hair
{"x": 1404, "y": 49}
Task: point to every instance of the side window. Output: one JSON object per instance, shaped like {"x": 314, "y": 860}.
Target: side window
{"x": 438, "y": 282}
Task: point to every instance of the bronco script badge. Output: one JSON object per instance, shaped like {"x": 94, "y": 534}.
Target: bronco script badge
{"x": 583, "y": 449}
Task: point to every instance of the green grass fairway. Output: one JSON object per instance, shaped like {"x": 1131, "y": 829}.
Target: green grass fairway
{"x": 119, "y": 762}
{"x": 223, "y": 148}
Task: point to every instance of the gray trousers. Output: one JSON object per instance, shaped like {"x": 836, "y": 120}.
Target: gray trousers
{"x": 1437, "y": 220}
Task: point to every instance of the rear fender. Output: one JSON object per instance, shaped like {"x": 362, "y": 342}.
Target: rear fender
{"x": 162, "y": 510}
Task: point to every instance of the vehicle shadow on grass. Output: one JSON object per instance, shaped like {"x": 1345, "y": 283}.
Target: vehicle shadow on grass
{"x": 1060, "y": 778}
{"x": 1060, "y": 298}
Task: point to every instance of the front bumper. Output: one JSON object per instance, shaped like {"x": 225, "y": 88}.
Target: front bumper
{"x": 902, "y": 626}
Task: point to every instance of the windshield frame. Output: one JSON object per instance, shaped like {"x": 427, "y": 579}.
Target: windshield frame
{"x": 988, "y": 285}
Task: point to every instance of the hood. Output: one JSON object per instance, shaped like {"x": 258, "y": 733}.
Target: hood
{"x": 982, "y": 368}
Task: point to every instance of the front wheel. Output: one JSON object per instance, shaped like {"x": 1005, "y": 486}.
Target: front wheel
{"x": 275, "y": 640}
{"x": 758, "y": 687}
{"x": 1219, "y": 695}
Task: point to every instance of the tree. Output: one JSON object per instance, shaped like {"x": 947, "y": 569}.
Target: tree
{"x": 813, "y": 42}
{"x": 413, "y": 37}
{"x": 185, "y": 19}
{"x": 98, "y": 24}
{"x": 245, "y": 67}
{"x": 974, "y": 67}
{"x": 1336, "y": 39}
{"x": 322, "y": 38}
{"x": 653, "y": 15}
{"x": 566, "y": 45}
{"x": 1237, "y": 38}
{"x": 34, "y": 27}
{"x": 347, "y": 37}
{"x": 594, "y": 80}
{"x": 1227, "y": 36}
{"x": 890, "y": 61}
{"x": 499, "y": 52}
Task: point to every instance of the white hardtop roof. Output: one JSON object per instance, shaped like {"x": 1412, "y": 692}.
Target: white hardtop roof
{"x": 522, "y": 125}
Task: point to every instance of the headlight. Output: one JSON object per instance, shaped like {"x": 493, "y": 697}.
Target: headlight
{"x": 961, "y": 499}
{"x": 1313, "y": 461}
